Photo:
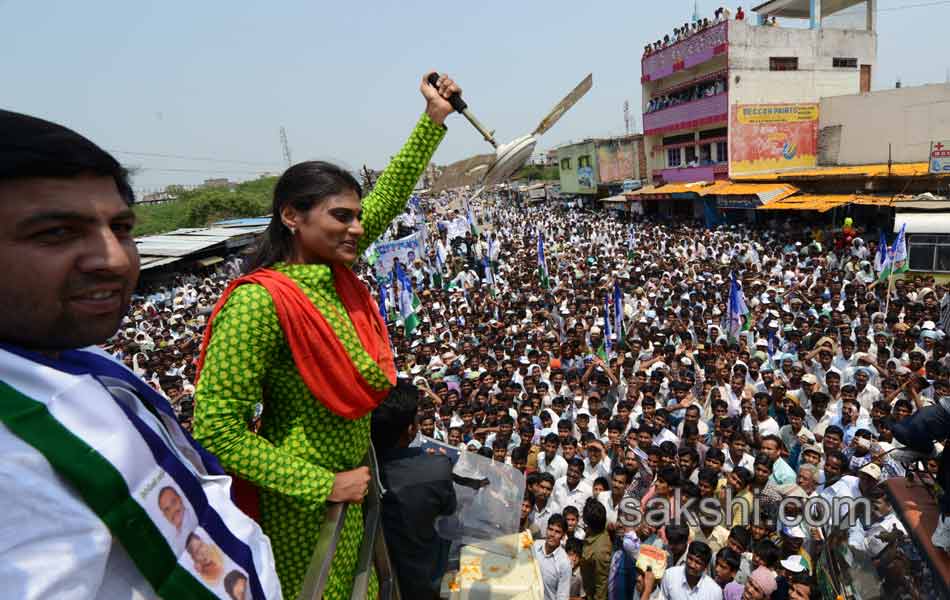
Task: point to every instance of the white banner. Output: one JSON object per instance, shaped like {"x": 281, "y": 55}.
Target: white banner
{"x": 406, "y": 249}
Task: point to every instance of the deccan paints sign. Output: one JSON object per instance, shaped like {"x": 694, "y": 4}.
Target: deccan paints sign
{"x": 772, "y": 137}
{"x": 940, "y": 157}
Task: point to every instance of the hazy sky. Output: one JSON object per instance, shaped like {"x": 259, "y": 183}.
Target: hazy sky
{"x": 216, "y": 79}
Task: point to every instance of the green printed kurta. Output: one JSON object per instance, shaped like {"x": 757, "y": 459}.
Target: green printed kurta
{"x": 302, "y": 444}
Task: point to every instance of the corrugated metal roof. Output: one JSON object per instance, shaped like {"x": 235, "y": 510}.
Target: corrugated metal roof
{"x": 150, "y": 262}
{"x": 183, "y": 242}
{"x": 765, "y": 192}
{"x": 251, "y": 222}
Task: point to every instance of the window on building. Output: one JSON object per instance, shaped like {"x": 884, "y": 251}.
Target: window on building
{"x": 929, "y": 252}
{"x": 678, "y": 139}
{"x": 844, "y": 63}
{"x": 566, "y": 164}
{"x": 690, "y": 154}
{"x": 712, "y": 133}
{"x": 705, "y": 154}
{"x": 722, "y": 152}
{"x": 583, "y": 161}
{"x": 783, "y": 63}
{"x": 673, "y": 157}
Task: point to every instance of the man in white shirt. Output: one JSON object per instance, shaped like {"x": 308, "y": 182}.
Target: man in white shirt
{"x": 737, "y": 456}
{"x": 553, "y": 562}
{"x": 96, "y": 431}
{"x": 550, "y": 461}
{"x": 597, "y": 463}
{"x": 544, "y": 506}
{"x": 690, "y": 581}
{"x": 572, "y": 489}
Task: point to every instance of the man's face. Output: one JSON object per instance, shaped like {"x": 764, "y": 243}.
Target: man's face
{"x": 595, "y": 452}
{"x": 69, "y": 261}
{"x": 738, "y": 446}
{"x": 631, "y": 461}
{"x": 573, "y": 476}
{"x": 554, "y": 536}
{"x": 542, "y": 491}
{"x": 771, "y": 449}
{"x": 526, "y": 508}
{"x": 169, "y": 502}
{"x": 752, "y": 592}
{"x": 427, "y": 427}
{"x": 832, "y": 469}
{"x": 618, "y": 485}
{"x": 723, "y": 574}
{"x": 694, "y": 566}
{"x": 568, "y": 451}
{"x": 199, "y": 551}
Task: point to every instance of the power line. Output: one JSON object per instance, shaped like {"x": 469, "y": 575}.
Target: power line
{"x": 197, "y": 170}
{"x": 857, "y": 10}
{"x": 907, "y": 6}
{"x": 199, "y": 158}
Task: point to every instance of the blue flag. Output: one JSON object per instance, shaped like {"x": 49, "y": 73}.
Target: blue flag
{"x": 382, "y": 301}
{"x": 618, "y": 312}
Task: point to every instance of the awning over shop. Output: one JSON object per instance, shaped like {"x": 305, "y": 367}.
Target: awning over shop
{"x": 923, "y": 222}
{"x": 615, "y": 200}
{"x": 848, "y": 172}
{"x": 818, "y": 202}
{"x": 765, "y": 192}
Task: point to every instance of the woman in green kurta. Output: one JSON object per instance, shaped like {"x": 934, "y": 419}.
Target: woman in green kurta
{"x": 305, "y": 454}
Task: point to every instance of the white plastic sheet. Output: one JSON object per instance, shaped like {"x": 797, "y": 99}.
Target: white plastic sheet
{"x": 489, "y": 516}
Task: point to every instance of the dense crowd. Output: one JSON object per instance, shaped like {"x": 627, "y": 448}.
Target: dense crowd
{"x": 615, "y": 374}
{"x": 697, "y": 25}
{"x": 688, "y": 94}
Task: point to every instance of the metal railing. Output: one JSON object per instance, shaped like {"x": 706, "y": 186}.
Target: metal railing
{"x": 373, "y": 552}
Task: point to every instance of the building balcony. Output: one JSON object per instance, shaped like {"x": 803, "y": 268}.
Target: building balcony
{"x": 694, "y": 50}
{"x": 690, "y": 115}
{"x": 690, "y": 174}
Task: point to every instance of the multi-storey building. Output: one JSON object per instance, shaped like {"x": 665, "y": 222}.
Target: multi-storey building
{"x": 741, "y": 96}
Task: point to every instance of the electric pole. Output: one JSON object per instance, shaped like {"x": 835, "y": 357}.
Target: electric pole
{"x": 286, "y": 147}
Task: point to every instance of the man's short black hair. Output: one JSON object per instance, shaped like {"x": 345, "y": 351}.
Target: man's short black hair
{"x": 559, "y": 521}
{"x": 32, "y": 148}
{"x": 700, "y": 550}
{"x": 730, "y": 558}
{"x": 595, "y": 516}
{"x": 394, "y": 415}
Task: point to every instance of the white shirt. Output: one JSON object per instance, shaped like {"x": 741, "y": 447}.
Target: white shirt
{"x": 766, "y": 427}
{"x": 591, "y": 473}
{"x": 541, "y": 516}
{"x": 565, "y": 497}
{"x": 607, "y": 499}
{"x": 675, "y": 587}
{"x": 557, "y": 467}
{"x": 747, "y": 461}
{"x": 555, "y": 571}
{"x": 52, "y": 545}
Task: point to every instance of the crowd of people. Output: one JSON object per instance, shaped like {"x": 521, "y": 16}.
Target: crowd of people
{"x": 618, "y": 379}
{"x": 661, "y": 399}
{"x": 687, "y": 30}
{"x": 688, "y": 94}
{"x": 681, "y": 401}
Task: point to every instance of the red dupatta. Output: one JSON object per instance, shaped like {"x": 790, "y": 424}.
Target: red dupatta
{"x": 321, "y": 359}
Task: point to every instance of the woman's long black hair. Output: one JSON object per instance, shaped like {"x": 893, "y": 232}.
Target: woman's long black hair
{"x": 302, "y": 186}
